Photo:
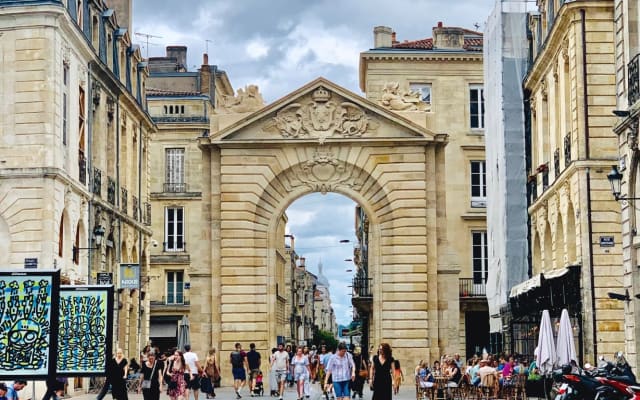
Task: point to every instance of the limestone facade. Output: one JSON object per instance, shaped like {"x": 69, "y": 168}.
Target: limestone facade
{"x": 627, "y": 40}
{"x": 571, "y": 86}
{"x": 74, "y": 149}
{"x": 447, "y": 70}
{"x": 322, "y": 138}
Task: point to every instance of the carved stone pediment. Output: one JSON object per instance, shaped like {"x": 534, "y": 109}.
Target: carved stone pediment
{"x": 320, "y": 117}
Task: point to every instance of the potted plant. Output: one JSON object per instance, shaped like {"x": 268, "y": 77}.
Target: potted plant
{"x": 543, "y": 168}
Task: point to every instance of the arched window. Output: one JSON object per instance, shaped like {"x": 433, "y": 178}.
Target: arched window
{"x": 76, "y": 254}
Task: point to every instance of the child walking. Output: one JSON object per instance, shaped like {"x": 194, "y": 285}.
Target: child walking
{"x": 398, "y": 377}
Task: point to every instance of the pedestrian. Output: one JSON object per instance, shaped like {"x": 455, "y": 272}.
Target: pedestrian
{"x": 191, "y": 359}
{"x": 301, "y": 371}
{"x": 3, "y": 391}
{"x": 341, "y": 370}
{"x": 360, "y": 362}
{"x": 307, "y": 382}
{"x": 280, "y": 364}
{"x": 14, "y": 388}
{"x": 118, "y": 376}
{"x": 212, "y": 371}
{"x": 175, "y": 372}
{"x": 151, "y": 377}
{"x": 381, "y": 372}
{"x": 398, "y": 376}
{"x": 254, "y": 360}
{"x": 238, "y": 359}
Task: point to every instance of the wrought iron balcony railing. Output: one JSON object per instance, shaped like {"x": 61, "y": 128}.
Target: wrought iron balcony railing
{"x": 135, "y": 208}
{"x": 82, "y": 168}
{"x": 111, "y": 190}
{"x": 634, "y": 80}
{"x": 556, "y": 163}
{"x": 172, "y": 187}
{"x": 470, "y": 289}
{"x": 362, "y": 287}
{"x": 97, "y": 182}
{"x": 124, "y": 197}
{"x": 567, "y": 149}
{"x": 147, "y": 214}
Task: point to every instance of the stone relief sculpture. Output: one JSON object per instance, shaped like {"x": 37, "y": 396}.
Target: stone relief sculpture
{"x": 320, "y": 118}
{"x": 395, "y": 100}
{"x": 246, "y": 100}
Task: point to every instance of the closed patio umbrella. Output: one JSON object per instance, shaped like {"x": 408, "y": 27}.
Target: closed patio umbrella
{"x": 546, "y": 346}
{"x": 183, "y": 333}
{"x": 565, "y": 346}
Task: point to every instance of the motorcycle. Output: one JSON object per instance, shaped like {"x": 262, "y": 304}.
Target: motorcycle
{"x": 610, "y": 381}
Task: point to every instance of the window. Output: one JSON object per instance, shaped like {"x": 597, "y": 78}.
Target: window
{"x": 174, "y": 173}
{"x": 65, "y": 103}
{"x": 424, "y": 89}
{"x": 476, "y": 107}
{"x": 174, "y": 229}
{"x": 478, "y": 184}
{"x": 175, "y": 287}
{"x": 480, "y": 267}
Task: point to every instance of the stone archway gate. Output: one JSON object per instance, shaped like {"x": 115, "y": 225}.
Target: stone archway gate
{"x": 323, "y": 138}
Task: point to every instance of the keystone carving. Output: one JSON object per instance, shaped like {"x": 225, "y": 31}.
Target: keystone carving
{"x": 248, "y": 99}
{"x": 321, "y": 118}
{"x": 325, "y": 172}
{"x": 395, "y": 100}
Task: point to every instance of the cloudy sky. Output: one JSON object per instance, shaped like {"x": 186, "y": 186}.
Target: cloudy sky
{"x": 281, "y": 45}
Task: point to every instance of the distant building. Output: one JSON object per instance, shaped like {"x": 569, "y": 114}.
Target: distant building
{"x": 325, "y": 317}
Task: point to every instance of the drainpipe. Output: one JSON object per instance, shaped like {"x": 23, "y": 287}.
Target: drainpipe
{"x": 89, "y": 99}
{"x": 116, "y": 241}
{"x": 139, "y": 236}
{"x": 587, "y": 156}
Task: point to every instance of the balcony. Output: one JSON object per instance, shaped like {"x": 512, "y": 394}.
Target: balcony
{"x": 195, "y": 119}
{"x": 469, "y": 289}
{"x": 97, "y": 182}
{"x": 634, "y": 80}
{"x": 82, "y": 168}
{"x": 362, "y": 295}
{"x": 172, "y": 187}
{"x": 170, "y": 303}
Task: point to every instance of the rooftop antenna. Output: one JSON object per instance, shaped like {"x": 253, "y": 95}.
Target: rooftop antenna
{"x": 147, "y": 36}
{"x": 207, "y": 41}
{"x": 477, "y": 25}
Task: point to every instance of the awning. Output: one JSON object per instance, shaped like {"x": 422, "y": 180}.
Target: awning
{"x": 526, "y": 286}
{"x": 163, "y": 329}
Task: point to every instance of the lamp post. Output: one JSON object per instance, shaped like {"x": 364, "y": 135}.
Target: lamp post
{"x": 615, "y": 180}
{"x": 98, "y": 235}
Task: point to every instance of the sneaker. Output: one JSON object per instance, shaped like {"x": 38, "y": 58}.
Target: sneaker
{"x": 238, "y": 395}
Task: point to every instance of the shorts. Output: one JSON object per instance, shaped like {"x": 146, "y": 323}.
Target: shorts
{"x": 194, "y": 383}
{"x": 254, "y": 373}
{"x": 341, "y": 389}
{"x": 239, "y": 374}
{"x": 281, "y": 375}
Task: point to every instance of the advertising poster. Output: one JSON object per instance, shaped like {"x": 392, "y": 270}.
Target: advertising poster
{"x": 85, "y": 332}
{"x": 28, "y": 323}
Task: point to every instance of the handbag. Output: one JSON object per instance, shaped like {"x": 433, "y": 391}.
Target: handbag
{"x": 205, "y": 385}
{"x": 146, "y": 384}
{"x": 363, "y": 372}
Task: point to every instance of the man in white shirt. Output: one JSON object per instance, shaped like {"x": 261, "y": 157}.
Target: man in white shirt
{"x": 280, "y": 363}
{"x": 343, "y": 370}
{"x": 191, "y": 359}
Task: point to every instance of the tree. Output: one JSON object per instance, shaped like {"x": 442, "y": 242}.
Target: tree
{"x": 323, "y": 337}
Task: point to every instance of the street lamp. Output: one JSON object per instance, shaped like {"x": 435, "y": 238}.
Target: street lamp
{"x": 615, "y": 179}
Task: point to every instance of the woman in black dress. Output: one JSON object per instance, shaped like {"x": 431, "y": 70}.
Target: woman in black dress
{"x": 152, "y": 372}
{"x": 361, "y": 364}
{"x": 118, "y": 377}
{"x": 381, "y": 372}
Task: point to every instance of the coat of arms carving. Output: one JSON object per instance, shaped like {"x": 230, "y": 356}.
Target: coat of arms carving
{"x": 320, "y": 118}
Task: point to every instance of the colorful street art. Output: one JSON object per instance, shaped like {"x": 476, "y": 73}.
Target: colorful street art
{"x": 84, "y": 335}
{"x": 28, "y": 321}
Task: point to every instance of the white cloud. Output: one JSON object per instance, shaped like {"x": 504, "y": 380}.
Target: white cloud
{"x": 257, "y": 48}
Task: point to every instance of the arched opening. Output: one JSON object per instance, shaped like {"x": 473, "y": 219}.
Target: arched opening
{"x": 561, "y": 254}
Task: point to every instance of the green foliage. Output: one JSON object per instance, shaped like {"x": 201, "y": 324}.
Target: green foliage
{"x": 326, "y": 338}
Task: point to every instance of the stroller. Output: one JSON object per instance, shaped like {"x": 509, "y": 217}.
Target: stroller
{"x": 258, "y": 388}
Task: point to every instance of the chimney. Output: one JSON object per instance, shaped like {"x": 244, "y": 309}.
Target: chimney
{"x": 382, "y": 36}
{"x": 302, "y": 262}
{"x": 393, "y": 38}
{"x": 448, "y": 38}
{"x": 180, "y": 54}
{"x": 205, "y": 75}
{"x": 124, "y": 13}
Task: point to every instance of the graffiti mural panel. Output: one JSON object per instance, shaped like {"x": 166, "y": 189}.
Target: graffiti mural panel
{"x": 85, "y": 330}
{"x": 28, "y": 323}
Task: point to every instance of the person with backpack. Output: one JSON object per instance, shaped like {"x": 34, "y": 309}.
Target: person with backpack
{"x": 239, "y": 366}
